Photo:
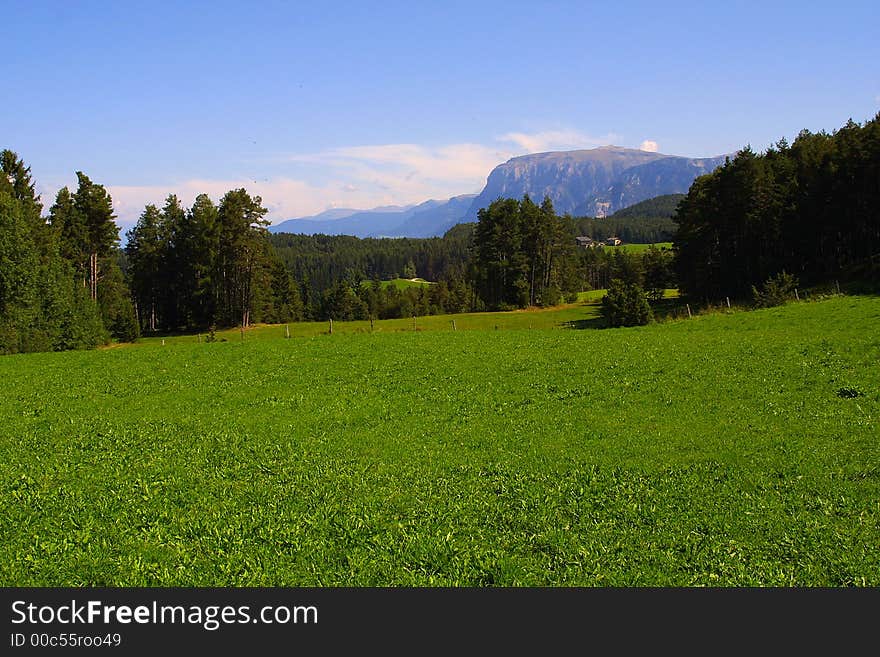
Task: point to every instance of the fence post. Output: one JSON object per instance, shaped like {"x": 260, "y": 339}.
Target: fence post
{"x": 331, "y": 326}
{"x": 287, "y": 331}
{"x": 689, "y": 309}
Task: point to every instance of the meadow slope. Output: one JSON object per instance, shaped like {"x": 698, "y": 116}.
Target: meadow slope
{"x": 734, "y": 449}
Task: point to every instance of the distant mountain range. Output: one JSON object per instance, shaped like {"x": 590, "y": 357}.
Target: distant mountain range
{"x": 595, "y": 183}
{"x": 427, "y": 219}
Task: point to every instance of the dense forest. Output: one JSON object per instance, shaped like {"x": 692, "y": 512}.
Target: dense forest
{"x": 60, "y": 282}
{"x": 518, "y": 254}
{"x": 810, "y": 209}
{"x": 647, "y": 222}
{"x": 523, "y": 255}
{"x": 323, "y": 260}
{"x": 209, "y": 265}
{"x": 526, "y": 255}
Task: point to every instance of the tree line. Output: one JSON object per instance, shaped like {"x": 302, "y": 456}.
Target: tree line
{"x": 646, "y": 222}
{"x": 526, "y": 255}
{"x": 340, "y": 276}
{"x": 522, "y": 255}
{"x": 810, "y": 209}
{"x": 66, "y": 283}
{"x": 210, "y": 265}
{"x": 320, "y": 261}
{"x": 61, "y": 286}
{"x": 218, "y": 266}
{"x": 803, "y": 212}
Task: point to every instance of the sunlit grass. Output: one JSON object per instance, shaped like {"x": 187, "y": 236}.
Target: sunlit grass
{"x": 734, "y": 449}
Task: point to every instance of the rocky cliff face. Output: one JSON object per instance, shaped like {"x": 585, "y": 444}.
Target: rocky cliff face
{"x": 594, "y": 182}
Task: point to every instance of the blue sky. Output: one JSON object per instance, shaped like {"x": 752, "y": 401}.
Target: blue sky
{"x": 319, "y": 105}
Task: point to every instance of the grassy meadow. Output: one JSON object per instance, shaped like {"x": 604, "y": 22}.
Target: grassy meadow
{"x": 583, "y": 313}
{"x": 730, "y": 449}
{"x": 640, "y": 248}
{"x": 400, "y": 283}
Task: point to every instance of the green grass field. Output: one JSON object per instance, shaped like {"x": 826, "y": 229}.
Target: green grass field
{"x": 585, "y": 312}
{"x": 730, "y": 449}
{"x": 640, "y": 248}
{"x": 595, "y": 296}
{"x": 401, "y": 283}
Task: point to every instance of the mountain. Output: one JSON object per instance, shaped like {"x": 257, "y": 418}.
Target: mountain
{"x": 339, "y": 221}
{"x": 435, "y": 221}
{"x": 429, "y": 219}
{"x": 670, "y": 175}
{"x": 586, "y": 183}
{"x": 595, "y": 182}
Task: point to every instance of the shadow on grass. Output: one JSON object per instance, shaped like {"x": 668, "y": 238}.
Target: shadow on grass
{"x": 669, "y": 308}
{"x": 591, "y": 323}
{"x": 662, "y": 309}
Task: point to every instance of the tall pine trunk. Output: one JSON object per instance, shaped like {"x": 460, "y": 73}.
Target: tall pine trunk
{"x": 93, "y": 275}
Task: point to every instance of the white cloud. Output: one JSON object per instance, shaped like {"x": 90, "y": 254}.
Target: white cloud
{"x": 411, "y": 166}
{"x": 412, "y": 173}
{"x": 650, "y": 146}
{"x": 363, "y": 177}
{"x": 556, "y": 140}
{"x": 283, "y": 197}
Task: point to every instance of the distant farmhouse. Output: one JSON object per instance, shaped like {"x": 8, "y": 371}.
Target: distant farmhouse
{"x": 586, "y": 242}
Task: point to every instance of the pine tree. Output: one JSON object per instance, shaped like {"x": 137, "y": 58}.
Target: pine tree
{"x": 242, "y": 232}
{"x": 93, "y": 211}
{"x": 202, "y": 241}
{"x": 144, "y": 250}
{"x": 625, "y": 305}
{"x": 41, "y": 307}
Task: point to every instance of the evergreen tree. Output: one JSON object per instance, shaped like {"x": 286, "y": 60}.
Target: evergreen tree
{"x": 93, "y": 209}
{"x": 19, "y": 268}
{"x": 41, "y": 306}
{"x": 523, "y": 254}
{"x": 173, "y": 272}
{"x": 625, "y": 305}
{"x": 810, "y": 208}
{"x": 286, "y": 303}
{"x": 657, "y": 268}
{"x": 242, "y": 230}
{"x": 144, "y": 249}
{"x": 202, "y": 240}
{"x": 69, "y": 226}
{"x": 114, "y": 300}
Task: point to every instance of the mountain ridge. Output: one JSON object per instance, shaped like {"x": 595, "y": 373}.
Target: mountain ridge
{"x": 589, "y": 182}
{"x": 427, "y": 219}
{"x": 592, "y": 182}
